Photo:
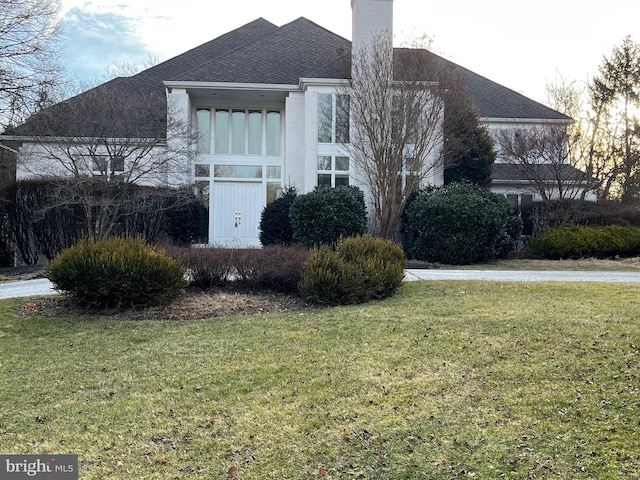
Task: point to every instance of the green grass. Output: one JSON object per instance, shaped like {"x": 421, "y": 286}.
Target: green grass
{"x": 444, "y": 380}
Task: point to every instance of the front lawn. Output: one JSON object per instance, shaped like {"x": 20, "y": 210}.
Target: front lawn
{"x": 444, "y": 380}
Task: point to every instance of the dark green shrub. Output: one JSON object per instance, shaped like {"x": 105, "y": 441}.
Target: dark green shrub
{"x": 357, "y": 270}
{"x": 187, "y": 221}
{"x": 323, "y": 216}
{"x": 460, "y": 224}
{"x": 579, "y": 242}
{"x": 116, "y": 273}
{"x": 275, "y": 222}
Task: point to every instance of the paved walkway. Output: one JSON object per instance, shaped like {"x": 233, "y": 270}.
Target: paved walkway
{"x": 42, "y": 286}
{"x": 523, "y": 275}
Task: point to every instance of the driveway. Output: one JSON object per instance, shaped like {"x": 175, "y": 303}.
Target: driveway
{"x": 42, "y": 286}
{"x": 523, "y": 275}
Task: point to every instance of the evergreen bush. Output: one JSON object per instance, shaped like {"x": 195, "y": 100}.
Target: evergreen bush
{"x": 324, "y": 215}
{"x": 459, "y": 224}
{"x": 275, "y": 222}
{"x": 357, "y": 270}
{"x": 118, "y": 272}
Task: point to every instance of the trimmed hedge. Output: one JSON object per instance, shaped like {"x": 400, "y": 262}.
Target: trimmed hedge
{"x": 579, "y": 242}
{"x": 326, "y": 214}
{"x": 357, "y": 270}
{"x": 459, "y": 223}
{"x": 119, "y": 272}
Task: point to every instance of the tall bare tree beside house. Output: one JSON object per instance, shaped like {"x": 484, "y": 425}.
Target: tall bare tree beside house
{"x": 28, "y": 53}
{"x": 396, "y": 112}
{"x": 98, "y": 145}
{"x": 542, "y": 155}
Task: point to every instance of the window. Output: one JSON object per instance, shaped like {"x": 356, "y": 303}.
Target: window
{"x": 100, "y": 165}
{"x": 222, "y": 131}
{"x": 240, "y": 131}
{"x": 273, "y": 132}
{"x": 333, "y": 171}
{"x": 203, "y": 119}
{"x": 333, "y": 118}
{"x": 202, "y": 170}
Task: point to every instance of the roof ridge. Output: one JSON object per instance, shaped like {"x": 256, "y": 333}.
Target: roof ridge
{"x": 259, "y": 21}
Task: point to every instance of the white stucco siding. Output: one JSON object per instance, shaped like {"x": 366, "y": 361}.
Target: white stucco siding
{"x": 61, "y": 160}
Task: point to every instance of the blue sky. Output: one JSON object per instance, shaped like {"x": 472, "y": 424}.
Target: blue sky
{"x": 522, "y": 45}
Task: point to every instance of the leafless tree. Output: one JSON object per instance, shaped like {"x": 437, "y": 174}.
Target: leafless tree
{"x": 542, "y": 156}
{"x": 97, "y": 146}
{"x": 28, "y": 68}
{"x": 396, "y": 111}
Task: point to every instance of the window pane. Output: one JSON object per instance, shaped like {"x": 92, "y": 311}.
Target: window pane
{"x": 99, "y": 163}
{"x": 237, "y": 132}
{"x": 203, "y": 117}
{"x": 325, "y": 118}
{"x": 237, "y": 171}
{"x": 117, "y": 164}
{"x": 274, "y": 191}
{"x": 342, "y": 180}
{"x": 255, "y": 132}
{"x": 324, "y": 180}
{"x": 222, "y": 131}
{"x": 202, "y": 170}
{"x": 274, "y": 172}
{"x": 342, "y": 119}
{"x": 342, "y": 164}
{"x": 273, "y": 132}
{"x": 202, "y": 191}
{"x": 324, "y": 163}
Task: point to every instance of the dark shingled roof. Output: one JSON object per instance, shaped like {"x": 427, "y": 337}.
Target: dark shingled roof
{"x": 509, "y": 173}
{"x": 261, "y": 52}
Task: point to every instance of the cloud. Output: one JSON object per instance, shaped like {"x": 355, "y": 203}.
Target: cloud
{"x": 96, "y": 40}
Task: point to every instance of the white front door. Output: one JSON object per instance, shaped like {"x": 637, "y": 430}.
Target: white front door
{"x": 236, "y": 213}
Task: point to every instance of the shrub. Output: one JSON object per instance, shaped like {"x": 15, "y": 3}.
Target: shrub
{"x": 187, "y": 222}
{"x": 459, "y": 224}
{"x": 323, "y": 216}
{"x": 578, "y": 242}
{"x": 116, "y": 273}
{"x": 357, "y": 270}
{"x": 275, "y": 222}
{"x": 276, "y": 268}
{"x": 206, "y": 267}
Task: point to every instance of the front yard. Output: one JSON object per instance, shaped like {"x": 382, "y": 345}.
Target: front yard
{"x": 444, "y": 380}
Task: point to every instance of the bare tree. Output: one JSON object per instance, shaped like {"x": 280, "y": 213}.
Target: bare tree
{"x": 97, "y": 146}
{"x": 28, "y": 71}
{"x": 396, "y": 112}
{"x": 542, "y": 156}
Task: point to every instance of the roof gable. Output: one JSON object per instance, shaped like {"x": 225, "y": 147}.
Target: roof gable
{"x": 300, "y": 49}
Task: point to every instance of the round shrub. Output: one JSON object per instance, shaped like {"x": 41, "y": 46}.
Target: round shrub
{"x": 357, "y": 270}
{"x": 324, "y": 215}
{"x": 118, "y": 272}
{"x": 275, "y": 223}
{"x": 460, "y": 224}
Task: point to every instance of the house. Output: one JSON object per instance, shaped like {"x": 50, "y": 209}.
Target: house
{"x": 255, "y": 95}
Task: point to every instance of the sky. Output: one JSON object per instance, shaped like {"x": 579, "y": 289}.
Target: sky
{"x": 521, "y": 45}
